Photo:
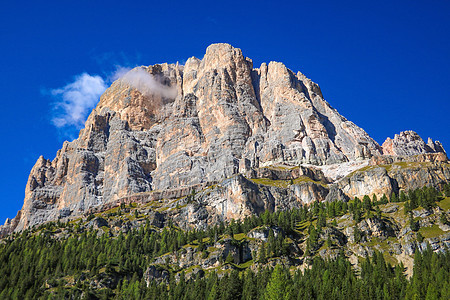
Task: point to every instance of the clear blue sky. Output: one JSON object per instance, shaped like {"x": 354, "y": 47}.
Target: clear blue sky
{"x": 384, "y": 65}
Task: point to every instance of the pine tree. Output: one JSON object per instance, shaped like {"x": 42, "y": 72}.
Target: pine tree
{"x": 276, "y": 287}
{"x": 394, "y": 197}
{"x": 412, "y": 223}
{"x": 249, "y": 290}
{"x": 357, "y": 215}
{"x": 407, "y": 207}
{"x": 357, "y": 234}
{"x": 322, "y": 220}
{"x": 402, "y": 197}
{"x": 262, "y": 258}
{"x": 374, "y": 199}
{"x": 367, "y": 205}
{"x": 213, "y": 294}
{"x": 334, "y": 223}
{"x": 378, "y": 211}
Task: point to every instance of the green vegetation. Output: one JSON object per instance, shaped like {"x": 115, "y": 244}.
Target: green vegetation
{"x": 332, "y": 279}
{"x": 425, "y": 197}
{"x": 68, "y": 260}
{"x": 445, "y": 203}
{"x": 431, "y": 231}
{"x": 284, "y": 183}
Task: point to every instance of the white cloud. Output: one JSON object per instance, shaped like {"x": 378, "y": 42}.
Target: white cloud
{"x": 145, "y": 82}
{"x": 76, "y": 100}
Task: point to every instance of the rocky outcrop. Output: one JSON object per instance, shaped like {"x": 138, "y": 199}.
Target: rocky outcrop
{"x": 439, "y": 157}
{"x": 409, "y": 143}
{"x": 415, "y": 176}
{"x": 386, "y": 179}
{"x": 262, "y": 233}
{"x": 367, "y": 182}
{"x": 168, "y": 128}
{"x": 238, "y": 197}
{"x": 155, "y": 273}
{"x": 286, "y": 173}
{"x": 381, "y": 228}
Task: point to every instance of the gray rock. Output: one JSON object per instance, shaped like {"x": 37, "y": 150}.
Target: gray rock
{"x": 390, "y": 208}
{"x": 262, "y": 233}
{"x": 378, "y": 227}
{"x": 155, "y": 273}
{"x": 374, "y": 180}
{"x": 97, "y": 223}
{"x": 364, "y": 251}
{"x": 336, "y": 194}
{"x": 445, "y": 237}
{"x": 197, "y": 273}
{"x": 409, "y": 248}
{"x": 334, "y": 235}
{"x": 404, "y": 231}
{"x": 397, "y": 248}
{"x": 104, "y": 280}
{"x": 422, "y": 213}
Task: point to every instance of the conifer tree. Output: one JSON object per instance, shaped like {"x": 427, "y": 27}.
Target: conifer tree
{"x": 276, "y": 287}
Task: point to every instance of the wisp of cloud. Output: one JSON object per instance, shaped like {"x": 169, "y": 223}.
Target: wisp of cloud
{"x": 76, "y": 100}
{"x": 145, "y": 83}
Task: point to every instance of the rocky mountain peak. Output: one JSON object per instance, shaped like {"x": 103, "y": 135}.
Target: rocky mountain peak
{"x": 166, "y": 130}
{"x": 221, "y": 55}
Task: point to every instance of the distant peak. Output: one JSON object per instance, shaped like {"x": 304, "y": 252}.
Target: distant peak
{"x": 410, "y": 143}
{"x": 220, "y": 47}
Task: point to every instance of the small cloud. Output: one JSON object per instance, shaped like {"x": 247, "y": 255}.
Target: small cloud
{"x": 76, "y": 100}
{"x": 145, "y": 82}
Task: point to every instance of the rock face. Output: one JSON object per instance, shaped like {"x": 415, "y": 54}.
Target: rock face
{"x": 409, "y": 143}
{"x": 170, "y": 126}
{"x": 375, "y": 181}
{"x": 382, "y": 180}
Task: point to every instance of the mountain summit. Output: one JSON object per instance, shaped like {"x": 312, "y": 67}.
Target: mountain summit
{"x": 167, "y": 131}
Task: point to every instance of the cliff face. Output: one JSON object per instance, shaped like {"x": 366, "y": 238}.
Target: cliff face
{"x": 410, "y": 143}
{"x": 168, "y": 126}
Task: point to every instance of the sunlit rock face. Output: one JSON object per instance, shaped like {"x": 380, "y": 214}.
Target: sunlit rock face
{"x": 170, "y": 126}
{"x": 409, "y": 143}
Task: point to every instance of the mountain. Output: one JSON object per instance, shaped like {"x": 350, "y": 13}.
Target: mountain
{"x": 241, "y": 139}
{"x": 217, "y": 180}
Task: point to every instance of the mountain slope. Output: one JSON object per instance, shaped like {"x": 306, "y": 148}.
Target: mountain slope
{"x": 132, "y": 252}
{"x": 169, "y": 129}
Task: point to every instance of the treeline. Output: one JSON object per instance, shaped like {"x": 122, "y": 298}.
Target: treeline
{"x": 334, "y": 279}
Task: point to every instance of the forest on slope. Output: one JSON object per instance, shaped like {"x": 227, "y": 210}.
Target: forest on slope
{"x": 295, "y": 253}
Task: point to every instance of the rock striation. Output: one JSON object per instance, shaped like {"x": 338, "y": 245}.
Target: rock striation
{"x": 171, "y": 127}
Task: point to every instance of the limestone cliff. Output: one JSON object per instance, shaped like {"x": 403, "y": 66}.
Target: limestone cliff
{"x": 168, "y": 128}
{"x": 409, "y": 143}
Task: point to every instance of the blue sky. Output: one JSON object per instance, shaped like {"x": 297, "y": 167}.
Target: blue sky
{"x": 383, "y": 65}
